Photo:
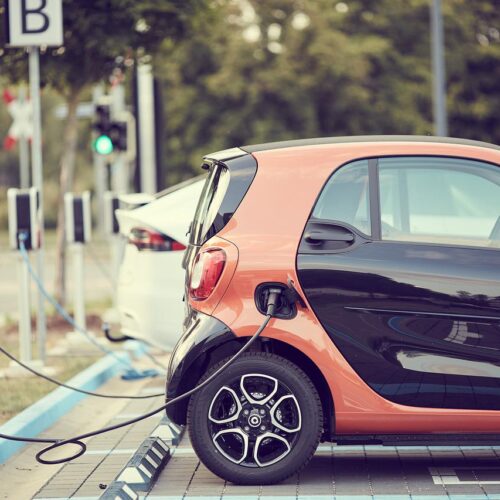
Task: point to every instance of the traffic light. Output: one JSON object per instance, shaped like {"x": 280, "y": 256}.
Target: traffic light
{"x": 118, "y": 135}
{"x": 103, "y": 144}
{"x": 111, "y": 134}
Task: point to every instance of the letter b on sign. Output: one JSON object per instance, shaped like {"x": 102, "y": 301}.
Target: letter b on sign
{"x": 34, "y": 22}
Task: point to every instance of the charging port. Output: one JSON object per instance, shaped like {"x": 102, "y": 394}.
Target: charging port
{"x": 285, "y": 309}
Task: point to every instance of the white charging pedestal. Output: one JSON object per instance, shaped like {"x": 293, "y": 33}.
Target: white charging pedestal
{"x": 24, "y": 221}
{"x": 78, "y": 233}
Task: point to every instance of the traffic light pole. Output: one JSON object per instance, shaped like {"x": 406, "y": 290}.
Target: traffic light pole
{"x": 100, "y": 173}
{"x": 119, "y": 168}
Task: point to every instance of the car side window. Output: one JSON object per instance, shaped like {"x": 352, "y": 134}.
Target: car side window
{"x": 440, "y": 200}
{"x": 345, "y": 197}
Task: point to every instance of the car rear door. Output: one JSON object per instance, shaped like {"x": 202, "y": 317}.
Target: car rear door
{"x": 400, "y": 261}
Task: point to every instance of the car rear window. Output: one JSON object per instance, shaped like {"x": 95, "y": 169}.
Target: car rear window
{"x": 225, "y": 188}
{"x": 210, "y": 201}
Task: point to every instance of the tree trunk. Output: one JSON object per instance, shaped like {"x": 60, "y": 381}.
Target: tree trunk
{"x": 66, "y": 172}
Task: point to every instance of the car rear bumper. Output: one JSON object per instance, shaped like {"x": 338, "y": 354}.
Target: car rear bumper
{"x": 191, "y": 357}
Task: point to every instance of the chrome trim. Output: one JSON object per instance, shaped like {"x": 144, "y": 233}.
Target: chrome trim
{"x": 257, "y": 445}
{"x": 236, "y": 400}
{"x": 238, "y": 431}
{"x": 275, "y": 407}
{"x": 258, "y": 401}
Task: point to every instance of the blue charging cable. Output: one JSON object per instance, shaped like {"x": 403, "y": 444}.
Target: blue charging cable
{"x": 132, "y": 373}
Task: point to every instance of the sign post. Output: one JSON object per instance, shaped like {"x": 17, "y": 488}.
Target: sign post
{"x": 32, "y": 25}
{"x": 37, "y": 174}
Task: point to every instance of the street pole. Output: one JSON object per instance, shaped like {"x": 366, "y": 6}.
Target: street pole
{"x": 120, "y": 167}
{"x": 37, "y": 176}
{"x": 438, "y": 70}
{"x": 24, "y": 166}
{"x": 146, "y": 131}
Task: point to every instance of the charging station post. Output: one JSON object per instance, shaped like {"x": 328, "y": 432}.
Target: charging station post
{"x": 78, "y": 233}
{"x": 24, "y": 231}
{"x": 112, "y": 230}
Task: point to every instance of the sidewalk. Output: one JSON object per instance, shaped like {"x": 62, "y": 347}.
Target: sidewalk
{"x": 22, "y": 477}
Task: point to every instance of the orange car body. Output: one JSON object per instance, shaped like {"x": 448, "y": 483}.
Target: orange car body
{"x": 260, "y": 249}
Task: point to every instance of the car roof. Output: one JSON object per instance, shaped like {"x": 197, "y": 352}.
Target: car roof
{"x": 254, "y": 148}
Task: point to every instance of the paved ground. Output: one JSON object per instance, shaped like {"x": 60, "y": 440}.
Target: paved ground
{"x": 22, "y": 477}
{"x": 350, "y": 472}
{"x": 335, "y": 473}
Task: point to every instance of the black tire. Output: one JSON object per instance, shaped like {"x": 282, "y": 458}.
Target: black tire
{"x": 257, "y": 370}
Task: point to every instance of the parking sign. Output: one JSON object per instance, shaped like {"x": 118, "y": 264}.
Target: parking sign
{"x": 34, "y": 23}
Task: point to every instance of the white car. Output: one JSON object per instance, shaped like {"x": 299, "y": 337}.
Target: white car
{"x": 151, "y": 278}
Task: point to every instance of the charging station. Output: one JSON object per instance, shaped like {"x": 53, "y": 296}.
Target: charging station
{"x": 24, "y": 225}
{"x": 78, "y": 233}
{"x": 24, "y": 217}
{"x": 78, "y": 217}
{"x": 111, "y": 203}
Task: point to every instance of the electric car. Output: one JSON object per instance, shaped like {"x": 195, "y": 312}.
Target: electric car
{"x": 385, "y": 252}
{"x": 151, "y": 278}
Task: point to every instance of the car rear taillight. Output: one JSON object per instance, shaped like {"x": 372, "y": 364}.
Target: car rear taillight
{"x": 207, "y": 270}
{"x": 149, "y": 239}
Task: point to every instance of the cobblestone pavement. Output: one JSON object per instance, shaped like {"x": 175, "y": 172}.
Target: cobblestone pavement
{"x": 350, "y": 473}
{"x": 107, "y": 454}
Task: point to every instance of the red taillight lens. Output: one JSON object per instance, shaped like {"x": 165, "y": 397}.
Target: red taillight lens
{"x": 149, "y": 239}
{"x": 207, "y": 270}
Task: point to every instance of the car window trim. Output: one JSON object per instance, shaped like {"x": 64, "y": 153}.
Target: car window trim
{"x": 374, "y": 195}
{"x": 376, "y": 207}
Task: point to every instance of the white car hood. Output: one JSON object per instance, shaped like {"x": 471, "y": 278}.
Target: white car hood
{"x": 171, "y": 214}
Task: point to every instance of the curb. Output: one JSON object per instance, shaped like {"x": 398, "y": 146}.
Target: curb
{"x": 168, "y": 432}
{"x": 142, "y": 470}
{"x": 46, "y": 411}
{"x": 119, "y": 491}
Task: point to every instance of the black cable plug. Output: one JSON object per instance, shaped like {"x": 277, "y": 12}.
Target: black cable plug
{"x": 273, "y": 297}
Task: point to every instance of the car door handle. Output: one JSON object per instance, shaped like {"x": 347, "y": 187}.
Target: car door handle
{"x": 315, "y": 237}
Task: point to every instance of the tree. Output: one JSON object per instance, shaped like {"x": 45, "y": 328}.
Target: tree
{"x": 96, "y": 33}
{"x": 284, "y": 69}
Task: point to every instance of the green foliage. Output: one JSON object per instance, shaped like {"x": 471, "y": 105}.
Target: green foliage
{"x": 315, "y": 68}
{"x": 98, "y": 32}
{"x": 354, "y": 67}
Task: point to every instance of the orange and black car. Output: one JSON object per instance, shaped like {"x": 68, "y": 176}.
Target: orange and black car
{"x": 387, "y": 251}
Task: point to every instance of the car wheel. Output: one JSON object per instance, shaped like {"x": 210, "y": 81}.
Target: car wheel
{"x": 258, "y": 422}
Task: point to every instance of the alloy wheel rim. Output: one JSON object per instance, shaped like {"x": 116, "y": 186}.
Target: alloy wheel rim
{"x": 254, "y": 420}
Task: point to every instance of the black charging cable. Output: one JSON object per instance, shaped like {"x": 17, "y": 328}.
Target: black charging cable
{"x": 76, "y": 389}
{"x": 54, "y": 444}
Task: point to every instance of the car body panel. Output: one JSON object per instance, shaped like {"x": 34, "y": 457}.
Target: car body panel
{"x": 267, "y": 229}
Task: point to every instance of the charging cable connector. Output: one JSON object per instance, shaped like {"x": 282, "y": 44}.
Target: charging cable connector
{"x": 273, "y": 299}
{"x": 272, "y": 302}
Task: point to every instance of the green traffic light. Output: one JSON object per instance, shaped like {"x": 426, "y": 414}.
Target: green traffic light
{"x": 103, "y": 145}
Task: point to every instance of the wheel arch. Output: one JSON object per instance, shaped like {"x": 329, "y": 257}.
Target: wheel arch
{"x": 211, "y": 357}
